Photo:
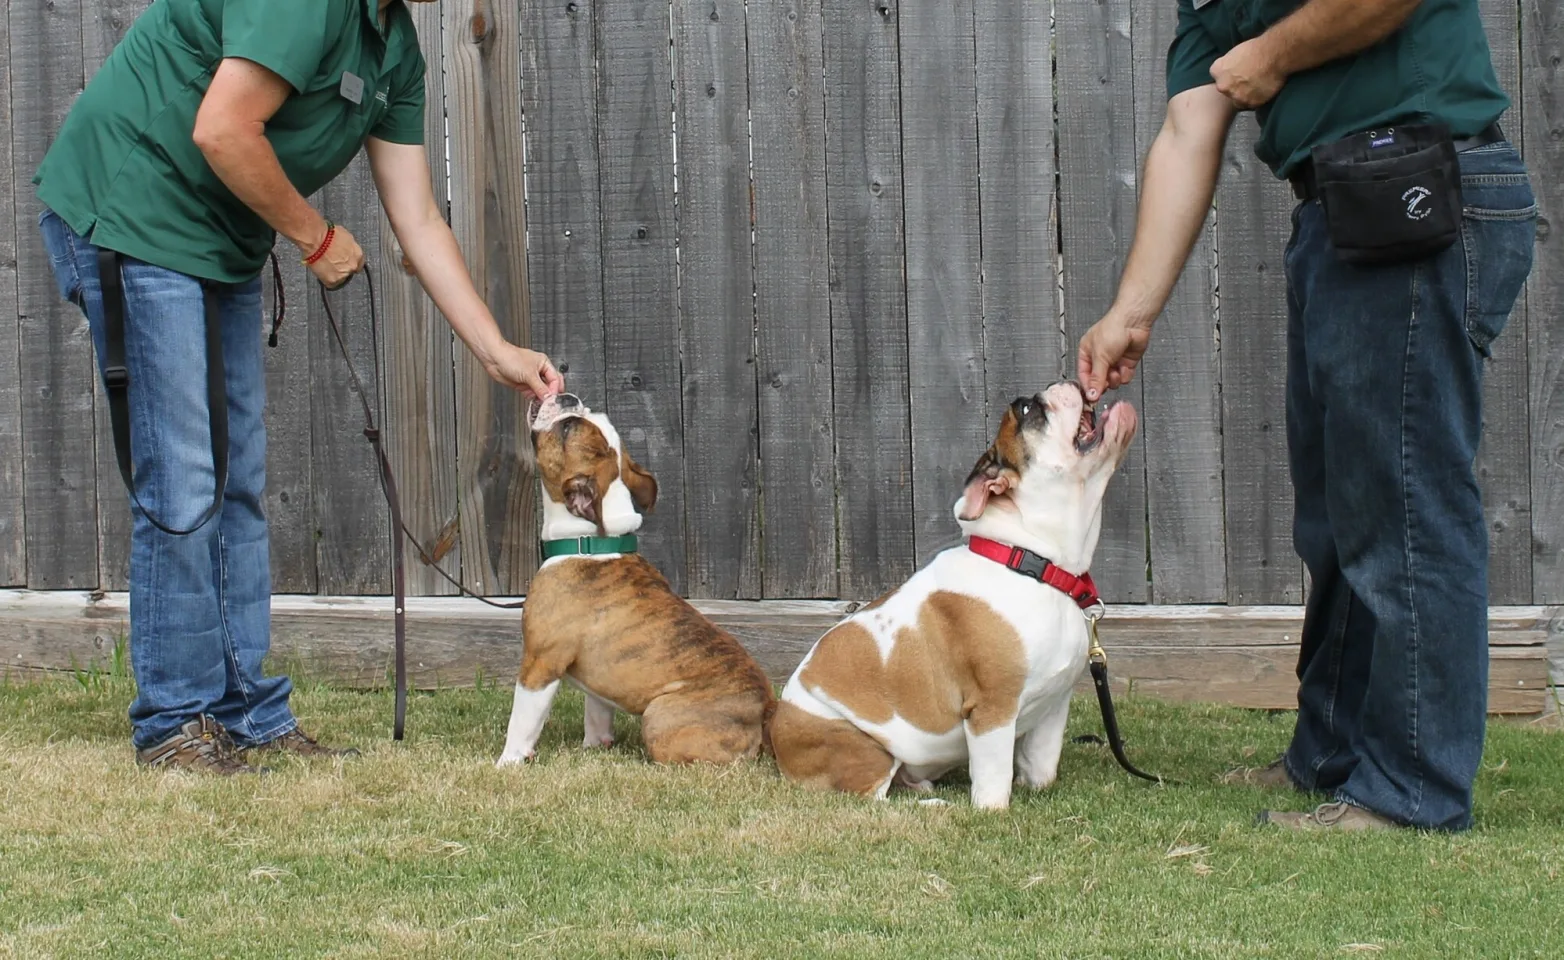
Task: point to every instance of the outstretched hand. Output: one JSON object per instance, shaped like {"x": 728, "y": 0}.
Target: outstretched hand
{"x": 526, "y": 370}
{"x": 1108, "y": 354}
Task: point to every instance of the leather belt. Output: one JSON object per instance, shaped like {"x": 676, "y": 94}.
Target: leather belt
{"x": 1302, "y": 177}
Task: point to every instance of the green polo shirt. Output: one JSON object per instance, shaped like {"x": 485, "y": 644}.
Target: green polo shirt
{"x": 125, "y": 172}
{"x": 1435, "y": 67}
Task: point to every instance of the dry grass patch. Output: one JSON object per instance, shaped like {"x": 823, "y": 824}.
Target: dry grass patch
{"x": 424, "y": 849}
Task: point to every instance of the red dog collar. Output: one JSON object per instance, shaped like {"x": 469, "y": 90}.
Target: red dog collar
{"x": 1029, "y": 564}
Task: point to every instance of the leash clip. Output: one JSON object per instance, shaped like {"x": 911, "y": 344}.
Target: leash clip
{"x": 1094, "y": 652}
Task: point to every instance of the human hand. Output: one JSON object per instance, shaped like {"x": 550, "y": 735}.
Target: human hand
{"x": 1248, "y": 75}
{"x": 1109, "y": 353}
{"x": 526, "y": 370}
{"x": 341, "y": 260}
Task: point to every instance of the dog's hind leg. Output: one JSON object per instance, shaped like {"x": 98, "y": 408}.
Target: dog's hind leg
{"x": 830, "y": 754}
{"x": 678, "y": 729}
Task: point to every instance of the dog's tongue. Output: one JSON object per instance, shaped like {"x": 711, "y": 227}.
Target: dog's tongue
{"x": 554, "y": 409}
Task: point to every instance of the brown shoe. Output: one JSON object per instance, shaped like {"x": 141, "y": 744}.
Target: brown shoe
{"x": 201, "y": 744}
{"x": 1329, "y": 816}
{"x": 1272, "y": 776}
{"x": 296, "y": 741}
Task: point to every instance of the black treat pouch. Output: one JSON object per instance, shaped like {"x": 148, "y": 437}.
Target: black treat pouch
{"x": 1390, "y": 195}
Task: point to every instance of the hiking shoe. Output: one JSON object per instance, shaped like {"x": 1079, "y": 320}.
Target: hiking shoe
{"x": 297, "y": 742}
{"x": 1336, "y": 816}
{"x": 201, "y": 744}
{"x": 1272, "y": 776}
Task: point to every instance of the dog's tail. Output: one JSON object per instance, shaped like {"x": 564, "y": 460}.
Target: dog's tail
{"x": 765, "y": 725}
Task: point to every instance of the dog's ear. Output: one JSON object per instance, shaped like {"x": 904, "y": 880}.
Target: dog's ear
{"x": 990, "y": 477}
{"x": 641, "y": 483}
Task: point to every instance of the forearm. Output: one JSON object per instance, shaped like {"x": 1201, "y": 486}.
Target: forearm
{"x": 1320, "y": 31}
{"x": 241, "y": 156}
{"x": 437, "y": 261}
{"x": 1177, "y": 186}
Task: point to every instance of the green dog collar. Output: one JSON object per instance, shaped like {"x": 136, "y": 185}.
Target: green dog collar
{"x": 588, "y": 546}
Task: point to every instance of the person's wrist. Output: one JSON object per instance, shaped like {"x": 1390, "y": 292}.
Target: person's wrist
{"x": 309, "y": 239}
{"x": 1272, "y": 54}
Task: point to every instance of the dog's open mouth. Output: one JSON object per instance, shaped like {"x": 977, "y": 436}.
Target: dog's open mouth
{"x": 1088, "y": 434}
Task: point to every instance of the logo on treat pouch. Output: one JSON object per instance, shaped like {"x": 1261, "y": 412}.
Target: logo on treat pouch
{"x": 1414, "y": 198}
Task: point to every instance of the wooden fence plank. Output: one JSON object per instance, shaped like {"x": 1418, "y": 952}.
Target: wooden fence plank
{"x": 1240, "y": 656}
{"x": 1015, "y": 107}
{"x": 1253, "y": 223}
{"x": 55, "y": 355}
{"x": 353, "y": 548}
{"x": 868, "y": 295}
{"x": 793, "y": 300}
{"x": 13, "y": 534}
{"x": 944, "y": 263}
{"x": 290, "y": 449}
{"x": 1097, "y": 158}
{"x": 103, "y": 25}
{"x": 1542, "y": 30}
{"x": 1504, "y": 459}
{"x": 640, "y": 297}
{"x": 717, "y": 301}
{"x": 1182, "y": 377}
{"x": 496, "y": 486}
{"x": 420, "y": 390}
{"x": 564, "y": 264}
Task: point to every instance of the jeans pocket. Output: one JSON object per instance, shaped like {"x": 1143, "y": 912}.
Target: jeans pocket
{"x": 1499, "y": 227}
{"x": 59, "y": 242}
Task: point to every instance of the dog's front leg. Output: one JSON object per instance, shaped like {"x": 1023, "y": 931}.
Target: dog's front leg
{"x": 599, "y": 722}
{"x": 1037, "y": 755}
{"x": 991, "y": 763}
{"x": 527, "y": 713}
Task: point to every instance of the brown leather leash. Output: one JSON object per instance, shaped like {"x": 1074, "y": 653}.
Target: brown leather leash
{"x": 387, "y": 486}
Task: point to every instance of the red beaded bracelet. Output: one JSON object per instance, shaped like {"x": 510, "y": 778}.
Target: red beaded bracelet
{"x": 320, "y": 251}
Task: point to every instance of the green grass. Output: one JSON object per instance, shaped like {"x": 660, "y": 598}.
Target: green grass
{"x": 424, "y": 849}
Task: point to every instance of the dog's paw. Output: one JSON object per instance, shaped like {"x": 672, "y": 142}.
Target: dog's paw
{"x": 514, "y": 759}
{"x": 593, "y": 743}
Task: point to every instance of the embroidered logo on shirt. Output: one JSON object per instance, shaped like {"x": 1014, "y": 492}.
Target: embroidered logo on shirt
{"x": 380, "y": 95}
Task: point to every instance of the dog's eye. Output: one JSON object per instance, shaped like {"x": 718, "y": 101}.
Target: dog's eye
{"x": 1026, "y": 409}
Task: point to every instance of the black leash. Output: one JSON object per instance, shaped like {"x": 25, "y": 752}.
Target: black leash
{"x": 1110, "y": 718}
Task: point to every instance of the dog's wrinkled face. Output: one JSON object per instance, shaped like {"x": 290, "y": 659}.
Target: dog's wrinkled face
{"x": 585, "y": 470}
{"x": 1051, "y": 440}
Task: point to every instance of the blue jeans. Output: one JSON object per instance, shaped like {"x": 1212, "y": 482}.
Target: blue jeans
{"x": 200, "y": 604}
{"x": 1384, "y": 414}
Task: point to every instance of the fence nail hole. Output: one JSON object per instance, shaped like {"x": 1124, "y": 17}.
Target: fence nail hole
{"x": 640, "y": 233}
{"x": 711, "y": 89}
{"x": 714, "y": 15}
{"x": 635, "y": 381}
{"x": 570, "y": 8}
{"x": 564, "y": 367}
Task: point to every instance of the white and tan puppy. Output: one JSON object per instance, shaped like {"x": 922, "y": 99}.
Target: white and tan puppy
{"x": 968, "y": 662}
{"x": 606, "y": 621}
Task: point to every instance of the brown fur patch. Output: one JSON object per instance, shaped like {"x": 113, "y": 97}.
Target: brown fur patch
{"x": 960, "y": 661}
{"x": 827, "y": 754}
{"x": 574, "y": 455}
{"x": 618, "y": 629}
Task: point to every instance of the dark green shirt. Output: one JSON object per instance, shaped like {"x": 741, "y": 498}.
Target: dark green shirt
{"x": 125, "y": 172}
{"x": 1435, "y": 67}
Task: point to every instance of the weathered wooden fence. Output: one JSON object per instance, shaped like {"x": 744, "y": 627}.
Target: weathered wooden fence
{"x": 803, "y": 252}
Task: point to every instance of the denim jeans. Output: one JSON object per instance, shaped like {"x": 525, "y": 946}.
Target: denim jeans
{"x": 1384, "y": 415}
{"x": 200, "y": 604}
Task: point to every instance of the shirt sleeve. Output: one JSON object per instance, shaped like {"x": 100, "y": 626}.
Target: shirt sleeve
{"x": 287, "y": 37}
{"x": 403, "y": 121}
{"x": 1191, "y": 53}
